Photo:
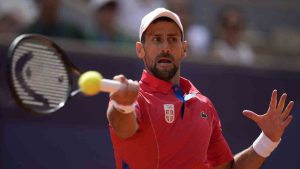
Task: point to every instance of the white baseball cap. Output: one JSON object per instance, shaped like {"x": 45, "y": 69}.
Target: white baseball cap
{"x": 157, "y": 13}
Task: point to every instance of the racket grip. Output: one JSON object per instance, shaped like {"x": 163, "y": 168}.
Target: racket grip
{"x": 110, "y": 86}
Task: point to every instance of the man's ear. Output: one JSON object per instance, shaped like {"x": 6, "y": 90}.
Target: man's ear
{"x": 140, "y": 50}
{"x": 185, "y": 48}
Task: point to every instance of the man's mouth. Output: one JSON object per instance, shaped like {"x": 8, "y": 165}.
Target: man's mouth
{"x": 164, "y": 60}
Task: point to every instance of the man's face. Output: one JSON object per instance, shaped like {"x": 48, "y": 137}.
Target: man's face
{"x": 164, "y": 49}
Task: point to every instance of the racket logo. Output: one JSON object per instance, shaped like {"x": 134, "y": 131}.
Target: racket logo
{"x": 21, "y": 80}
{"x": 169, "y": 113}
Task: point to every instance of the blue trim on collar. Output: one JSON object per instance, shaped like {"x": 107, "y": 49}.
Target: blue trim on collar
{"x": 180, "y": 95}
{"x": 125, "y": 165}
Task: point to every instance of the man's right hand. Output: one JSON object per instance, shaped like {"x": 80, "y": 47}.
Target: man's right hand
{"x": 121, "y": 114}
{"x": 128, "y": 93}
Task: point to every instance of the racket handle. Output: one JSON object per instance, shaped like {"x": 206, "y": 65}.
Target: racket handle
{"x": 110, "y": 86}
{"x": 91, "y": 83}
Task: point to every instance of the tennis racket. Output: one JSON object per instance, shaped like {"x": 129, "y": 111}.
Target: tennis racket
{"x": 40, "y": 75}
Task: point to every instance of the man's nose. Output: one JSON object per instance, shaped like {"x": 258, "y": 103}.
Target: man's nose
{"x": 165, "y": 47}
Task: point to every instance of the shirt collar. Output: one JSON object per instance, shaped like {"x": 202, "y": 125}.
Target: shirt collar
{"x": 154, "y": 84}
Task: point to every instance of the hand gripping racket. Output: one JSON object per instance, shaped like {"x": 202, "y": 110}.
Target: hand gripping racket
{"x": 40, "y": 74}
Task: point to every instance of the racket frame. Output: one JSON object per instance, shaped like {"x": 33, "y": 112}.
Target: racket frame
{"x": 70, "y": 68}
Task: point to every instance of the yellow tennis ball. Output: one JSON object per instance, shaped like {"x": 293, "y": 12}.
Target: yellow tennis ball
{"x": 90, "y": 83}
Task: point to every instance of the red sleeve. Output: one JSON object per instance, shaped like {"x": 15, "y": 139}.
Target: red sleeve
{"x": 218, "y": 150}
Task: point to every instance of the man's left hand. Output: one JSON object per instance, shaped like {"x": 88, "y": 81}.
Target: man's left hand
{"x": 276, "y": 119}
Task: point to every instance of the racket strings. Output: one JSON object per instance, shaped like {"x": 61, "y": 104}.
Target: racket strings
{"x": 39, "y": 76}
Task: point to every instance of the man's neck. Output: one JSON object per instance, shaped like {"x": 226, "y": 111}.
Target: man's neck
{"x": 174, "y": 80}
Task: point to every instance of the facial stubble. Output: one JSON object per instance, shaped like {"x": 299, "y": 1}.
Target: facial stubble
{"x": 165, "y": 75}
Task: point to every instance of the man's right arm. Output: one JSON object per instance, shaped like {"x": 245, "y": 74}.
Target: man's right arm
{"x": 120, "y": 113}
{"x": 124, "y": 125}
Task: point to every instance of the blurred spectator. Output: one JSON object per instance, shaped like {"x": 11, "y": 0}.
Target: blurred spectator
{"x": 9, "y": 23}
{"x": 198, "y": 36}
{"x": 104, "y": 16}
{"x": 229, "y": 45}
{"x": 49, "y": 24}
{"x": 132, "y": 11}
{"x": 14, "y": 15}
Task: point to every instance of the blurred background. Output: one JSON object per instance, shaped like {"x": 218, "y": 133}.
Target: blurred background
{"x": 239, "y": 51}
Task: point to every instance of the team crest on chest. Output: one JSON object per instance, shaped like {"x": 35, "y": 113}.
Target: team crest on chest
{"x": 169, "y": 113}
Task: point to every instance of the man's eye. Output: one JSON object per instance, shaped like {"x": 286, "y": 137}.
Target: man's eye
{"x": 156, "y": 39}
{"x": 173, "y": 39}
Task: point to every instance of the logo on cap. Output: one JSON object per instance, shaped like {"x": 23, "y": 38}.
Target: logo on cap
{"x": 169, "y": 113}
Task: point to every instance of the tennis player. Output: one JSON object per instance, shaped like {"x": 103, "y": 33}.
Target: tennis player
{"x": 164, "y": 122}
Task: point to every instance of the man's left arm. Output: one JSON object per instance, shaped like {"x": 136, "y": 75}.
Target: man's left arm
{"x": 273, "y": 124}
